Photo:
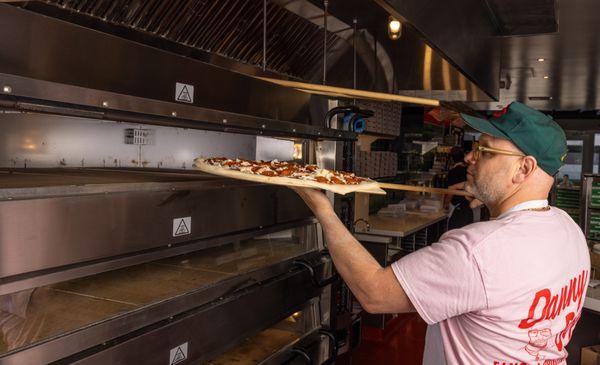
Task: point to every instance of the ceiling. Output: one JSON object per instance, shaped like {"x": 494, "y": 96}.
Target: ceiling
{"x": 571, "y": 63}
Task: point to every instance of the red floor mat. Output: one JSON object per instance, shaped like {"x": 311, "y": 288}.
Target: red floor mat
{"x": 401, "y": 342}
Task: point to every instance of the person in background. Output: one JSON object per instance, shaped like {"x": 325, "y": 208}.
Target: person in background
{"x": 565, "y": 183}
{"x": 461, "y": 213}
{"x": 506, "y": 291}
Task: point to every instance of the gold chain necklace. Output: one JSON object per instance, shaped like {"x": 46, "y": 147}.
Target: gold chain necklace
{"x": 542, "y": 209}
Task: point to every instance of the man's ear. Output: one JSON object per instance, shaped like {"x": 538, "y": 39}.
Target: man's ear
{"x": 527, "y": 167}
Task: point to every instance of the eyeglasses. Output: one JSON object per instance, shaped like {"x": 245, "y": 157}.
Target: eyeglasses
{"x": 479, "y": 149}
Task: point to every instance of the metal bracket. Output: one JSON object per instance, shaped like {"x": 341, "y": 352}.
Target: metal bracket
{"x": 334, "y": 346}
{"x": 298, "y": 352}
{"x": 315, "y": 280}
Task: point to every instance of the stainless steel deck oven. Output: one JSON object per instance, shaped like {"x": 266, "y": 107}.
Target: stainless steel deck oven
{"x": 113, "y": 250}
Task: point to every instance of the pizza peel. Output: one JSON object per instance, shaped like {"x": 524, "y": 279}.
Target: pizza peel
{"x": 423, "y": 189}
{"x": 370, "y": 187}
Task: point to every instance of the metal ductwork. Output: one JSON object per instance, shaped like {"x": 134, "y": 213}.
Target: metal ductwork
{"x": 232, "y": 34}
{"x": 65, "y": 66}
{"x": 228, "y": 28}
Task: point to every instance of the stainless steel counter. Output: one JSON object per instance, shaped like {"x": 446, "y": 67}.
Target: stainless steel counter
{"x": 403, "y": 226}
{"x": 409, "y": 232}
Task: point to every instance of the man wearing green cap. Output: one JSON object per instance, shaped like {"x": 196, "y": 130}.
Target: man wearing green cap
{"x": 485, "y": 289}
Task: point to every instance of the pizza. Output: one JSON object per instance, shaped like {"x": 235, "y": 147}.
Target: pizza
{"x": 287, "y": 169}
{"x": 288, "y": 173}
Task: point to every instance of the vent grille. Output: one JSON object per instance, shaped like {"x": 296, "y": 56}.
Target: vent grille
{"x": 230, "y": 28}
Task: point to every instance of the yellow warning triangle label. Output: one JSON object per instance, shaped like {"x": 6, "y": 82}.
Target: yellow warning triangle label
{"x": 179, "y": 357}
{"x": 182, "y": 228}
{"x": 184, "y": 95}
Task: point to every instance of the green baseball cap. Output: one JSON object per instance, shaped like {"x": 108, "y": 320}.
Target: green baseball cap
{"x": 533, "y": 132}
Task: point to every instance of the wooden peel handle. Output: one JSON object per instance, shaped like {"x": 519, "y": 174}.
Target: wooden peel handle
{"x": 423, "y": 189}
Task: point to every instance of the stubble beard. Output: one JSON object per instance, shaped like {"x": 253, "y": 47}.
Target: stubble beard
{"x": 483, "y": 190}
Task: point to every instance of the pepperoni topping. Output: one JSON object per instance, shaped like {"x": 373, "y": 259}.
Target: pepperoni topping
{"x": 354, "y": 180}
{"x": 322, "y": 179}
{"x": 288, "y": 169}
{"x": 286, "y": 172}
{"x": 335, "y": 180}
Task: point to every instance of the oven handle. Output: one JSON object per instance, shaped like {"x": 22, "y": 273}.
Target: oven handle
{"x": 301, "y": 353}
{"x": 316, "y": 281}
{"x": 334, "y": 346}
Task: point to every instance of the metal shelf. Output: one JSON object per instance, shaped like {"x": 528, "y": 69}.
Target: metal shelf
{"x": 380, "y": 135}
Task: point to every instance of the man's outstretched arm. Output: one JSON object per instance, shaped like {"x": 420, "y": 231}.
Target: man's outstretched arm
{"x": 376, "y": 288}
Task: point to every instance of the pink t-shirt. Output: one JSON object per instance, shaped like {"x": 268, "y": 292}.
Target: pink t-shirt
{"x": 507, "y": 291}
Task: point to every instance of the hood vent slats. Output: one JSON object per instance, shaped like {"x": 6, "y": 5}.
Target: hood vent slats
{"x": 229, "y": 28}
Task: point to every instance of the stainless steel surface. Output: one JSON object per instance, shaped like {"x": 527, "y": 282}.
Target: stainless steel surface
{"x": 274, "y": 149}
{"x": 39, "y": 234}
{"x": 273, "y": 345}
{"x": 571, "y": 62}
{"x": 37, "y": 183}
{"x": 210, "y": 331}
{"x": 228, "y": 33}
{"x": 90, "y": 232}
{"x": 145, "y": 111}
{"x": 44, "y": 140}
{"x": 314, "y": 344}
{"x": 25, "y": 282}
{"x": 38, "y": 71}
{"x": 328, "y": 154}
{"x": 411, "y": 63}
{"x": 236, "y": 278}
{"x": 460, "y": 31}
{"x": 230, "y": 28}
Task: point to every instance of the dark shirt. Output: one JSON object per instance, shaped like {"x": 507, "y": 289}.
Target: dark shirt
{"x": 456, "y": 175}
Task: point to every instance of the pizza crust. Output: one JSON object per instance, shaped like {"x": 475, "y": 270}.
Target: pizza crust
{"x": 370, "y": 187}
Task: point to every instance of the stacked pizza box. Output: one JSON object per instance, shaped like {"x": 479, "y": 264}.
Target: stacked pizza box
{"x": 373, "y": 125}
{"x": 376, "y": 164}
{"x": 386, "y": 119}
{"x": 391, "y": 164}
